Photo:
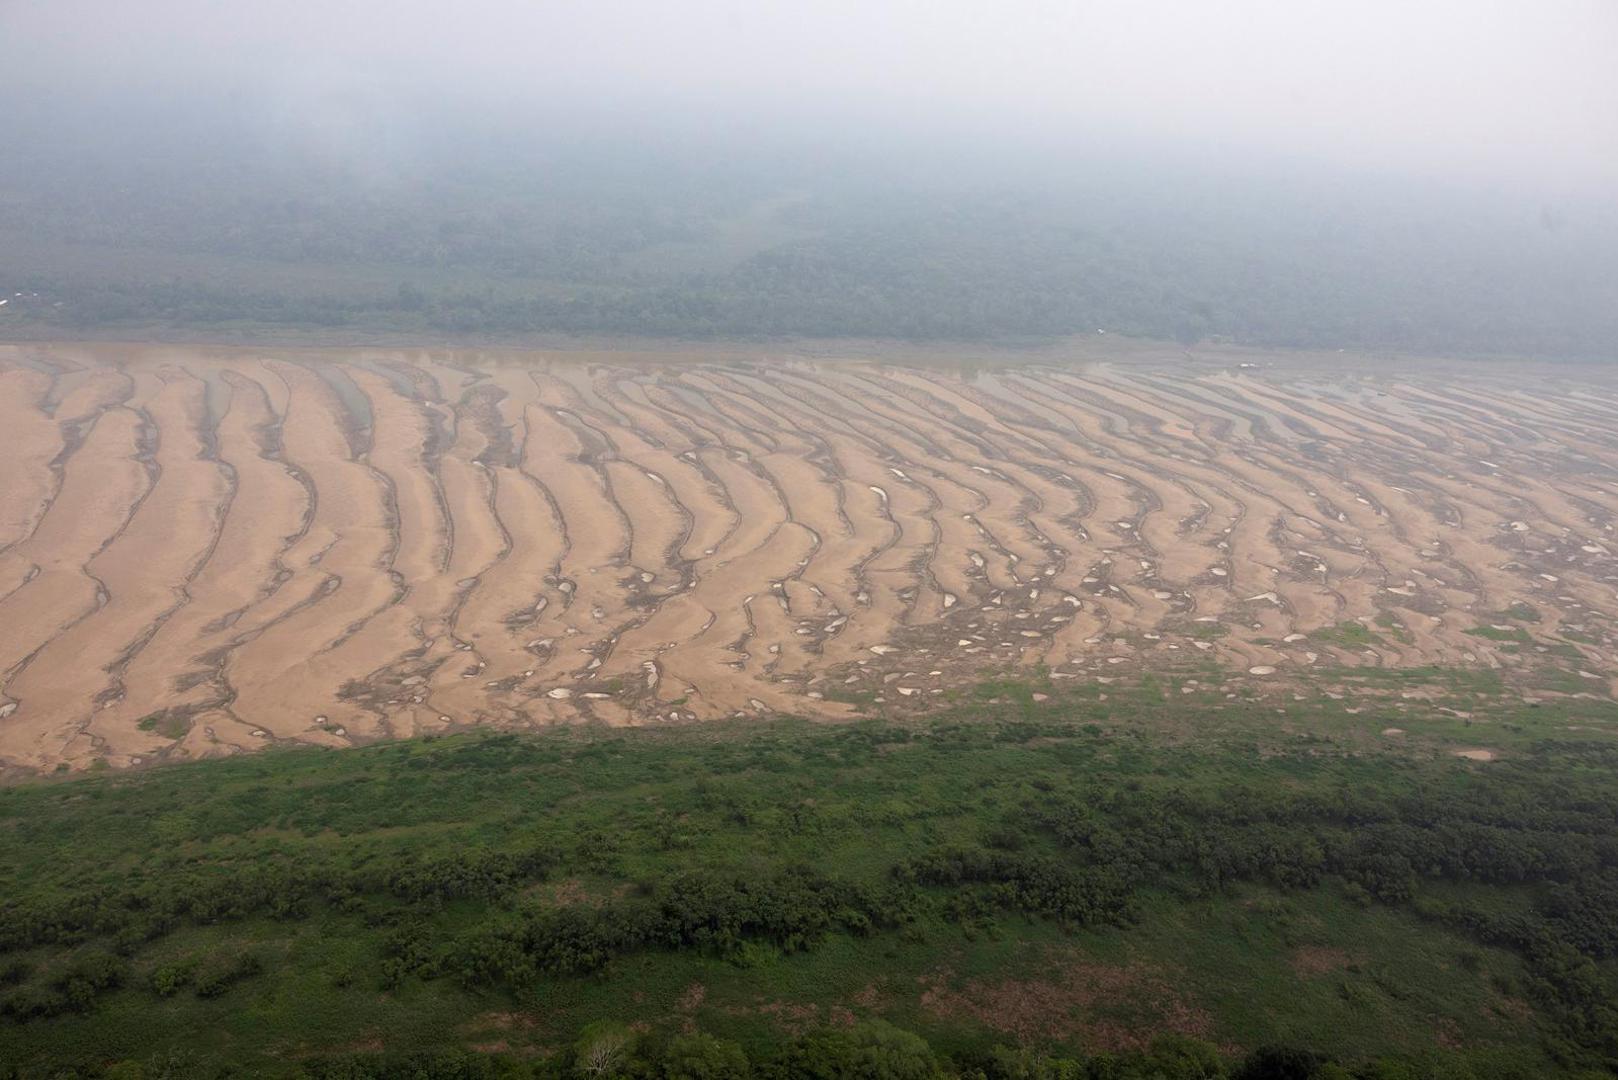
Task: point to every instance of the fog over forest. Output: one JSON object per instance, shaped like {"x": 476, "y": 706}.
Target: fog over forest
{"x": 1431, "y": 177}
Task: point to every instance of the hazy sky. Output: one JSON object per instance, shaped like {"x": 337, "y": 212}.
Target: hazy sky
{"x": 1517, "y": 87}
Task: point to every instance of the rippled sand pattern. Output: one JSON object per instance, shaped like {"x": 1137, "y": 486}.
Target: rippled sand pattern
{"x": 205, "y": 551}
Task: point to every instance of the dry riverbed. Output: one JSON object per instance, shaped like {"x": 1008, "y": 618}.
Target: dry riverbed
{"x": 208, "y": 550}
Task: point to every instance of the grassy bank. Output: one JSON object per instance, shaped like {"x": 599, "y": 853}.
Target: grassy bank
{"x": 1071, "y": 880}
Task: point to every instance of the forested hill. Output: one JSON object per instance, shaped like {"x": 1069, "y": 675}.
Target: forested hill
{"x": 495, "y": 233}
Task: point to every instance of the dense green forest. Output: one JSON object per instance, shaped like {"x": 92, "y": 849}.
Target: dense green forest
{"x": 1150, "y": 884}
{"x": 505, "y": 231}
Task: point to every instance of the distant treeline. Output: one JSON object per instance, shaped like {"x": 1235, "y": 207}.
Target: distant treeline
{"x": 484, "y": 238}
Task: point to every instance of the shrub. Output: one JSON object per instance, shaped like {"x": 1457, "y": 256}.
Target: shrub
{"x": 699, "y": 1056}
{"x": 220, "y": 976}
{"x": 869, "y": 1051}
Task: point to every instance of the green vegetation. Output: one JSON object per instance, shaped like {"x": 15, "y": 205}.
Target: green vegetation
{"x": 1200, "y": 631}
{"x": 1155, "y": 885}
{"x": 1347, "y": 635}
{"x": 1394, "y": 628}
{"x": 1495, "y": 633}
{"x": 167, "y": 724}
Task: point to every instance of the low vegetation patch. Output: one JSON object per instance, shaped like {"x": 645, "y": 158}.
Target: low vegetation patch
{"x": 1347, "y": 635}
{"x": 1501, "y": 633}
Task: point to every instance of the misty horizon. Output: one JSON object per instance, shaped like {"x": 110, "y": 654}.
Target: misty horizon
{"x": 1436, "y": 178}
{"x": 1507, "y": 93}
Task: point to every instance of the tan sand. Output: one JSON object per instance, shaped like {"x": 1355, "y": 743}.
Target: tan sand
{"x": 206, "y": 551}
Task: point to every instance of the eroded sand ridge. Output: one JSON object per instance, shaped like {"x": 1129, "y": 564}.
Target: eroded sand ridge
{"x": 203, "y": 551}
